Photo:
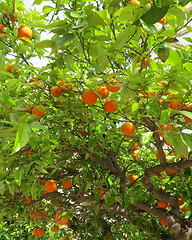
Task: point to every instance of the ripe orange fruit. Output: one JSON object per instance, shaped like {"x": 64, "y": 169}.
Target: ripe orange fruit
{"x": 158, "y": 155}
{"x": 63, "y": 222}
{"x": 50, "y": 186}
{"x": 163, "y": 222}
{"x": 58, "y": 215}
{"x": 187, "y": 106}
{"x": 111, "y": 87}
{"x": 181, "y": 200}
{"x": 128, "y": 128}
{"x": 67, "y": 183}
{"x": 162, "y": 205}
{"x": 12, "y": 69}
{"x": 170, "y": 172}
{"x": 163, "y": 20}
{"x": 89, "y": 97}
{"x": 11, "y": 17}
{"x": 100, "y": 191}
{"x": 41, "y": 231}
{"x": 103, "y": 91}
{"x": 187, "y": 119}
{"x": 55, "y": 229}
{"x": 135, "y": 156}
{"x": 174, "y": 103}
{"x": 56, "y": 91}
{"x": 69, "y": 86}
{"x": 26, "y": 201}
{"x": 34, "y": 215}
{"x": 135, "y": 147}
{"x": 44, "y": 215}
{"x": 24, "y": 31}
{"x": 133, "y": 177}
{"x": 65, "y": 238}
{"x": 136, "y": 2}
{"x": 35, "y": 232}
{"x": 184, "y": 209}
{"x": 38, "y": 112}
{"x": 36, "y": 81}
{"x": 109, "y": 106}
{"x": 168, "y": 128}
{"x": 1, "y": 28}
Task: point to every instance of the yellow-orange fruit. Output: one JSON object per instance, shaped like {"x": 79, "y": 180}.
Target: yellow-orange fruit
{"x": 100, "y": 191}
{"x": 163, "y": 222}
{"x": 12, "y": 69}
{"x": 24, "y": 31}
{"x": 181, "y": 200}
{"x": 103, "y": 91}
{"x": 34, "y": 215}
{"x": 50, "y": 186}
{"x": 1, "y": 28}
{"x": 111, "y": 87}
{"x": 67, "y": 183}
{"x": 38, "y": 112}
{"x": 63, "y": 222}
{"x": 132, "y": 178}
{"x": 163, "y": 20}
{"x": 55, "y": 229}
{"x": 162, "y": 205}
{"x": 109, "y": 106}
{"x": 174, "y": 103}
{"x": 128, "y": 128}
{"x": 89, "y": 97}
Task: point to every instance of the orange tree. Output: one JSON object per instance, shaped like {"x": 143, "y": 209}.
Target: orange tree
{"x": 96, "y": 143}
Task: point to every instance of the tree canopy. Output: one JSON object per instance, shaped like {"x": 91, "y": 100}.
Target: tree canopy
{"x": 95, "y": 141}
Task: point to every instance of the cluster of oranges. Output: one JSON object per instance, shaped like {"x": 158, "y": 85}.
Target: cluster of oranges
{"x": 164, "y": 205}
{"x": 89, "y": 97}
{"x": 23, "y": 31}
{"x": 61, "y": 87}
{"x": 50, "y": 186}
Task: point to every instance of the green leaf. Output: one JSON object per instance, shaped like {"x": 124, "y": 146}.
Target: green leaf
{"x": 174, "y": 58}
{"x": 154, "y": 14}
{"x": 63, "y": 39}
{"x": 2, "y": 61}
{"x": 39, "y": 24}
{"x": 22, "y": 137}
{"x": 11, "y": 187}
{"x": 146, "y": 137}
{"x": 34, "y": 191}
{"x": 126, "y": 200}
{"x": 38, "y": 2}
{"x": 123, "y": 37}
{"x": 104, "y": 14}
{"x": 176, "y": 139}
{"x": 187, "y": 139}
{"x": 18, "y": 176}
{"x": 1, "y": 185}
{"x": 163, "y": 54}
{"x": 135, "y": 107}
{"x": 185, "y": 113}
{"x": 2, "y": 188}
{"x": 165, "y": 116}
{"x": 153, "y": 107}
{"x": 45, "y": 44}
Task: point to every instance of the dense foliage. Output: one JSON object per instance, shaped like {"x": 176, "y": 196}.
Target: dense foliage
{"x": 96, "y": 143}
